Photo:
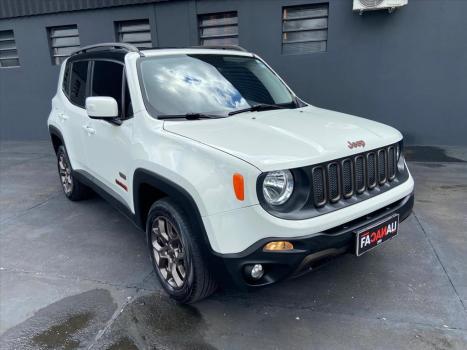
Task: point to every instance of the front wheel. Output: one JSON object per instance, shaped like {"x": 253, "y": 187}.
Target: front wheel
{"x": 176, "y": 255}
{"x": 73, "y": 189}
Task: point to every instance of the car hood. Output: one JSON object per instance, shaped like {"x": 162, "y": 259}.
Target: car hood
{"x": 287, "y": 138}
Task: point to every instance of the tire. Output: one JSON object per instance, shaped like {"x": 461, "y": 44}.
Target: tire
{"x": 73, "y": 189}
{"x": 176, "y": 254}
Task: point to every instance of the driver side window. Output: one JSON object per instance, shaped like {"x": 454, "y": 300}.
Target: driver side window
{"x": 109, "y": 80}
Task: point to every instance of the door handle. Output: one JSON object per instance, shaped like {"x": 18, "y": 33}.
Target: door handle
{"x": 89, "y": 130}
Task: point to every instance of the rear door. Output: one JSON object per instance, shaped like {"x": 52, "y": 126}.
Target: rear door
{"x": 73, "y": 115}
{"x": 109, "y": 146}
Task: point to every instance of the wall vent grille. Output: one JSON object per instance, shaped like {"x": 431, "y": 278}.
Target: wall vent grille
{"x": 218, "y": 29}
{"x": 63, "y": 42}
{"x": 135, "y": 32}
{"x": 8, "y": 52}
{"x": 305, "y": 29}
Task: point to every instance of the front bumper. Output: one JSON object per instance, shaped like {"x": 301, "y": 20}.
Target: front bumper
{"x": 308, "y": 251}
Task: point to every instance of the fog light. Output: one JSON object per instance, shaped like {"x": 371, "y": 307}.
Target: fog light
{"x": 254, "y": 271}
{"x": 278, "y": 246}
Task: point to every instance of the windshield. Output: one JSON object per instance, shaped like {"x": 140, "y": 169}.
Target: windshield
{"x": 214, "y": 84}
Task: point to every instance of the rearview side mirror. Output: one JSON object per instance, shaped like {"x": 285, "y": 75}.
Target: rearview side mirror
{"x": 101, "y": 107}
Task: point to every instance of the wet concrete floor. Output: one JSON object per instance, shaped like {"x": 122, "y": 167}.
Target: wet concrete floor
{"x": 77, "y": 275}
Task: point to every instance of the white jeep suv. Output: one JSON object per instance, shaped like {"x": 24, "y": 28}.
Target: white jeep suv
{"x": 232, "y": 177}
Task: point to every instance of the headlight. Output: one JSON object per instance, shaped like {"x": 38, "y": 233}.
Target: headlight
{"x": 278, "y": 187}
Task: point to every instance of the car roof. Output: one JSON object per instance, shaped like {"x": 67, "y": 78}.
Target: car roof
{"x": 115, "y": 54}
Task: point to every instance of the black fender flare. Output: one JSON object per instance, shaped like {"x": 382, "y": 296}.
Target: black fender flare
{"x": 172, "y": 190}
{"x": 54, "y": 131}
{"x": 185, "y": 200}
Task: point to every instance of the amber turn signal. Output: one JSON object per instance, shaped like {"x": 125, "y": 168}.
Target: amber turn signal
{"x": 239, "y": 186}
{"x": 278, "y": 246}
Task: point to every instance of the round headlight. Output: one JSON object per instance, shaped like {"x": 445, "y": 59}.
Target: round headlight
{"x": 278, "y": 187}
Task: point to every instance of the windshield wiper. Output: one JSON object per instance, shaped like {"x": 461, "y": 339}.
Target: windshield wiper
{"x": 257, "y": 108}
{"x": 190, "y": 116}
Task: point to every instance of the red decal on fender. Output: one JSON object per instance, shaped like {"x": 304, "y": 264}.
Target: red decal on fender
{"x": 121, "y": 184}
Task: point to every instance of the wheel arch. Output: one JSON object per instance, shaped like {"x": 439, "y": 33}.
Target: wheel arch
{"x": 56, "y": 137}
{"x": 162, "y": 187}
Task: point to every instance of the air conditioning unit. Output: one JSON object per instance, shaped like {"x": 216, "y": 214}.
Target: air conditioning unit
{"x": 371, "y": 5}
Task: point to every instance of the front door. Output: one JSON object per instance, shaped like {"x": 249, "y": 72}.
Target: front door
{"x": 109, "y": 144}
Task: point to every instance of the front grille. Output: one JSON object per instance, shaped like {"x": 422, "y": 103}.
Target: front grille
{"x": 333, "y": 182}
{"x": 347, "y": 178}
{"x": 319, "y": 186}
{"x": 371, "y": 170}
{"x": 382, "y": 166}
{"x": 392, "y": 163}
{"x": 360, "y": 174}
{"x": 353, "y": 176}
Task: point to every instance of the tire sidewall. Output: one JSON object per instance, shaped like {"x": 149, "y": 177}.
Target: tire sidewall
{"x": 165, "y": 209}
{"x": 62, "y": 150}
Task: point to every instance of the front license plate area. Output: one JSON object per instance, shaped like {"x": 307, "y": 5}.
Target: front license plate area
{"x": 377, "y": 233}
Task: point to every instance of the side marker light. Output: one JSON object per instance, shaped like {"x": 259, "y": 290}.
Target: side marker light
{"x": 239, "y": 186}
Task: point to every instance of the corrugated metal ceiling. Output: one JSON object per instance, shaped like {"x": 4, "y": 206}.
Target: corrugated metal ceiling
{"x": 20, "y": 8}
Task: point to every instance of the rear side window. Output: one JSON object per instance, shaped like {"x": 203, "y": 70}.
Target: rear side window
{"x": 79, "y": 76}
{"x": 66, "y": 80}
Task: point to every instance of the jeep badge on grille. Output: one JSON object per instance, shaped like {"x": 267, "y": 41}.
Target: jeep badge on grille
{"x": 359, "y": 143}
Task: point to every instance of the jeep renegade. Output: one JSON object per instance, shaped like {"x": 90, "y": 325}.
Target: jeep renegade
{"x": 229, "y": 173}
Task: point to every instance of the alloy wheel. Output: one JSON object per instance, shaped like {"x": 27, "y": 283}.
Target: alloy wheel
{"x": 64, "y": 169}
{"x": 168, "y": 251}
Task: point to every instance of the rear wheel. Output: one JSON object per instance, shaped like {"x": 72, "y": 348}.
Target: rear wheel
{"x": 73, "y": 189}
{"x": 176, "y": 255}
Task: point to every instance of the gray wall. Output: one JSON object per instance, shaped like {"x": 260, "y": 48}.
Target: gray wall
{"x": 408, "y": 69}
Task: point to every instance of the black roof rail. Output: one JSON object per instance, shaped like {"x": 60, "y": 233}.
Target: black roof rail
{"x": 124, "y": 46}
{"x": 221, "y": 47}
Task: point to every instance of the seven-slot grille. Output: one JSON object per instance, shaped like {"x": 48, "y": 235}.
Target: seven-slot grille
{"x": 352, "y": 176}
